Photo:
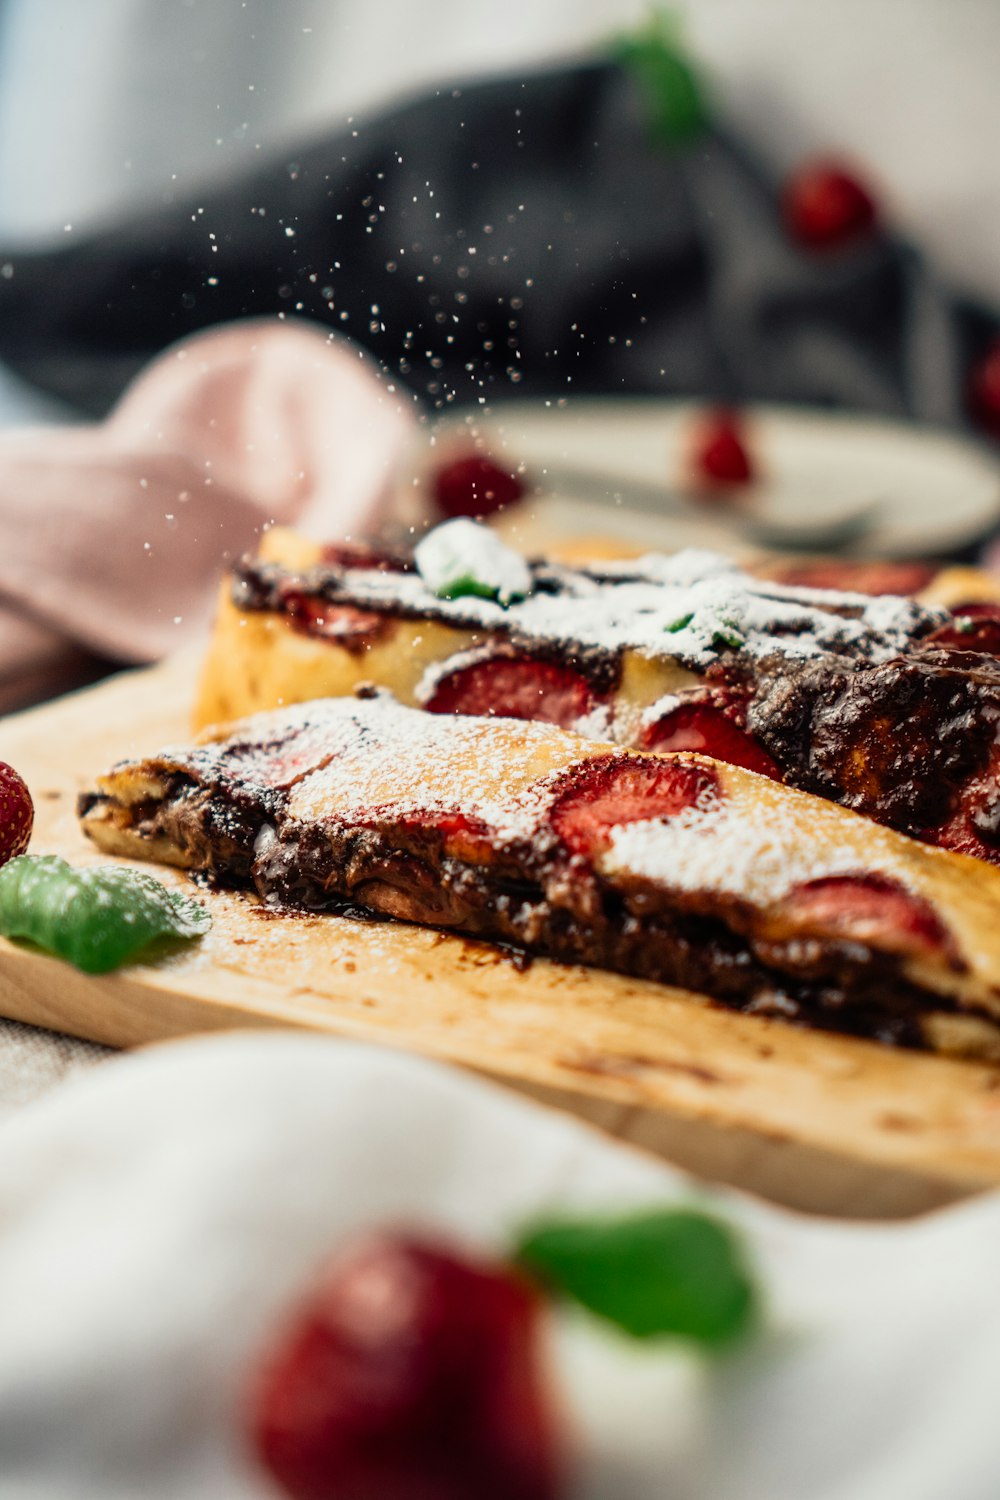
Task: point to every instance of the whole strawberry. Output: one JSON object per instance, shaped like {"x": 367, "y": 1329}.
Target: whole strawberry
{"x": 410, "y": 1373}
{"x": 471, "y": 484}
{"x": 720, "y": 454}
{"x": 825, "y": 206}
{"x": 17, "y": 813}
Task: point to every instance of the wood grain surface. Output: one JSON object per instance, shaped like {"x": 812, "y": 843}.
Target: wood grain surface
{"x": 818, "y": 1122}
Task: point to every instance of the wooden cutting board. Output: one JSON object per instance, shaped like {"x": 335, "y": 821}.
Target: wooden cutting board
{"x": 817, "y": 1122}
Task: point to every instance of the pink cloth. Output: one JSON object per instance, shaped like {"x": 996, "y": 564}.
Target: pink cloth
{"x": 114, "y": 534}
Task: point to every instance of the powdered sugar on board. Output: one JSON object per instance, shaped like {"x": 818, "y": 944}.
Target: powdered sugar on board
{"x": 692, "y": 607}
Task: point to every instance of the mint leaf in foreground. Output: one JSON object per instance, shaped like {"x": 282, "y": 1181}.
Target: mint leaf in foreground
{"x": 98, "y": 917}
{"x": 676, "y": 1271}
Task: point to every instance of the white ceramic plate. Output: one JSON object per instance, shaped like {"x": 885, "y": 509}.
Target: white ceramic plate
{"x": 931, "y": 492}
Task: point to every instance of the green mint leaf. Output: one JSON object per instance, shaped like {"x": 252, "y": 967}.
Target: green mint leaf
{"x": 98, "y": 917}
{"x": 729, "y": 635}
{"x": 681, "y": 624}
{"x": 468, "y": 584}
{"x": 671, "y": 94}
{"x": 461, "y": 558}
{"x": 677, "y": 1271}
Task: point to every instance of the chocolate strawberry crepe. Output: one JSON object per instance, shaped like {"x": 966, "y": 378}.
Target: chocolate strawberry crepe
{"x": 671, "y": 867}
{"x": 879, "y": 703}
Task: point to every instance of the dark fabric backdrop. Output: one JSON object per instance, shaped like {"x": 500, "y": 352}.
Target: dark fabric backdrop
{"x": 513, "y": 237}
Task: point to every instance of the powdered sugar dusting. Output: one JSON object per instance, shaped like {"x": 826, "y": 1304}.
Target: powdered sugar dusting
{"x": 659, "y": 710}
{"x": 759, "y": 841}
{"x": 693, "y": 606}
{"x": 437, "y": 671}
{"x": 676, "y": 569}
{"x": 746, "y": 849}
{"x": 401, "y": 760}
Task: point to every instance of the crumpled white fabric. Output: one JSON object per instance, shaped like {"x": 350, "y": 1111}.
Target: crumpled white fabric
{"x": 115, "y": 533}
{"x": 157, "y": 1213}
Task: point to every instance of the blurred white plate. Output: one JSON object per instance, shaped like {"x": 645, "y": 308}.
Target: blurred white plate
{"x": 932, "y": 492}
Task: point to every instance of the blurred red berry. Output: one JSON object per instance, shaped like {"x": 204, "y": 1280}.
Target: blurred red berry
{"x": 984, "y": 389}
{"x": 409, "y": 1374}
{"x": 721, "y": 455}
{"x": 824, "y": 206}
{"x": 474, "y": 485}
{"x": 17, "y": 814}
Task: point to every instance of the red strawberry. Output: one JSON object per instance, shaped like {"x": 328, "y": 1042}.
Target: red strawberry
{"x": 349, "y": 626}
{"x": 720, "y": 455}
{"x": 473, "y": 485}
{"x": 409, "y": 1374}
{"x": 707, "y": 729}
{"x": 984, "y": 389}
{"x": 974, "y": 627}
{"x": 607, "y": 791}
{"x": 515, "y": 688}
{"x": 824, "y": 206}
{"x": 857, "y": 577}
{"x": 17, "y": 814}
{"x": 870, "y": 908}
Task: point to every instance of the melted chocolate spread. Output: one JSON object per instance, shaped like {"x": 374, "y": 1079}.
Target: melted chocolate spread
{"x": 533, "y": 897}
{"x": 902, "y": 742}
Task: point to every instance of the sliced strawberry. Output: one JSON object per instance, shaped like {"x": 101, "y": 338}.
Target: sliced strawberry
{"x": 978, "y": 609}
{"x": 464, "y": 836}
{"x": 872, "y": 909}
{"x": 409, "y": 1374}
{"x": 473, "y": 485}
{"x": 17, "y": 814}
{"x": 974, "y": 825}
{"x": 974, "y": 627}
{"x": 721, "y": 455}
{"x": 515, "y": 687}
{"x": 961, "y": 837}
{"x": 366, "y": 555}
{"x": 702, "y": 727}
{"x": 344, "y": 623}
{"x": 859, "y": 577}
{"x": 608, "y": 791}
{"x": 825, "y": 206}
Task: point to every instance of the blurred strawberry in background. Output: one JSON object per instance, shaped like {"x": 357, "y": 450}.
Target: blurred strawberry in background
{"x": 825, "y": 206}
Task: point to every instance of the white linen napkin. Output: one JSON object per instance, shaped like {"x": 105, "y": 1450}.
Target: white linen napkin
{"x": 157, "y": 1213}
